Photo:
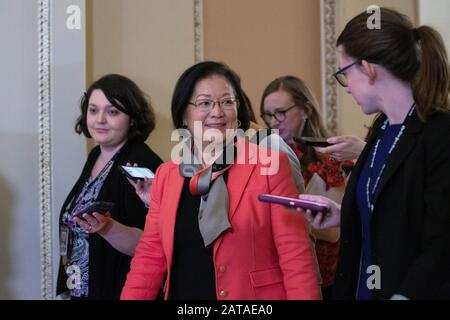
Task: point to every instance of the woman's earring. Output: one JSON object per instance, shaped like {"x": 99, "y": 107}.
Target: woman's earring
{"x": 239, "y": 123}
{"x": 184, "y": 125}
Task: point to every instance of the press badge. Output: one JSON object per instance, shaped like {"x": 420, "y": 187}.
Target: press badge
{"x": 64, "y": 234}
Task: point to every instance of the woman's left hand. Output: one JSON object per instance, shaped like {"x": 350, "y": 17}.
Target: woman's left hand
{"x": 95, "y": 222}
{"x": 330, "y": 219}
{"x": 142, "y": 188}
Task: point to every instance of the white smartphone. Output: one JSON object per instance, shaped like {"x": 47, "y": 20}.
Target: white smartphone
{"x": 137, "y": 173}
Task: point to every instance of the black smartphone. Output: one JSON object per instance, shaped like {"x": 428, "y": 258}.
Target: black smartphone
{"x": 313, "y": 142}
{"x": 294, "y": 203}
{"x": 99, "y": 206}
{"x": 137, "y": 173}
{"x": 347, "y": 168}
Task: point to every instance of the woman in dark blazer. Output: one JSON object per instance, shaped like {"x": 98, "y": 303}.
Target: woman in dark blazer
{"x": 395, "y": 215}
{"x": 96, "y": 249}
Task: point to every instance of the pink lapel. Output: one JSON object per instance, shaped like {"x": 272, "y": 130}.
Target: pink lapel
{"x": 239, "y": 174}
{"x": 175, "y": 185}
{"x": 238, "y": 177}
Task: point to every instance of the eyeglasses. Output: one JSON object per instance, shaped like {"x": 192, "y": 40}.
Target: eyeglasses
{"x": 206, "y": 105}
{"x": 341, "y": 76}
{"x": 280, "y": 115}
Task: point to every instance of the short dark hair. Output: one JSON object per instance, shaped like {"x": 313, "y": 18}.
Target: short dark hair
{"x": 188, "y": 80}
{"x": 126, "y": 96}
{"x": 248, "y": 104}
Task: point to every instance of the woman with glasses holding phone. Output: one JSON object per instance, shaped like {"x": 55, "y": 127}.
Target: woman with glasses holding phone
{"x": 288, "y": 105}
{"x": 395, "y": 216}
{"x": 207, "y": 236}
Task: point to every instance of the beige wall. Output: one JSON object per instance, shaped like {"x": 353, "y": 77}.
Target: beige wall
{"x": 435, "y": 13}
{"x": 152, "y": 42}
{"x": 267, "y": 39}
{"x": 351, "y": 118}
{"x": 264, "y": 39}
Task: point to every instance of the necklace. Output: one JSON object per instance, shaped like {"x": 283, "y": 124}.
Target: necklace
{"x": 371, "y": 193}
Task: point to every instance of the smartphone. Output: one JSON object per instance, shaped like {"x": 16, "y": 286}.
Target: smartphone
{"x": 313, "y": 142}
{"x": 294, "y": 203}
{"x": 347, "y": 168}
{"x": 137, "y": 173}
{"x": 99, "y": 206}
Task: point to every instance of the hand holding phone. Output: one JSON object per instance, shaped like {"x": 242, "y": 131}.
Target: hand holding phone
{"x": 99, "y": 206}
{"x": 323, "y": 220}
{"x": 294, "y": 203}
{"x": 347, "y": 168}
{"x": 313, "y": 142}
{"x": 137, "y": 173}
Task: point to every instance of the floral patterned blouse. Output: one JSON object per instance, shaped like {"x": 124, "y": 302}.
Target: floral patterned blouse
{"x": 79, "y": 240}
{"x": 330, "y": 170}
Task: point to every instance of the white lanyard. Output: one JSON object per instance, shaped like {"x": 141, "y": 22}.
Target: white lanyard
{"x": 397, "y": 138}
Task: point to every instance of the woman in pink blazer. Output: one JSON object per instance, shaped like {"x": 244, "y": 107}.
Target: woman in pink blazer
{"x": 207, "y": 235}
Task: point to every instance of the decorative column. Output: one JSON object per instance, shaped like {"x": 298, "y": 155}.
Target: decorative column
{"x": 329, "y": 65}
{"x": 45, "y": 178}
{"x": 198, "y": 30}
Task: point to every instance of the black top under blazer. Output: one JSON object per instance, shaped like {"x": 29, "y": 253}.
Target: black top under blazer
{"x": 411, "y": 219}
{"x": 108, "y": 267}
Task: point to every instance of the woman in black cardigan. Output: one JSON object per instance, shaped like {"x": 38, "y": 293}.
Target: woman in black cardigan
{"x": 96, "y": 249}
{"x": 395, "y": 215}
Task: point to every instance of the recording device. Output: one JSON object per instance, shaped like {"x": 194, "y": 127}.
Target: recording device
{"x": 137, "y": 173}
{"x": 99, "y": 206}
{"x": 347, "y": 168}
{"x": 294, "y": 203}
{"x": 313, "y": 142}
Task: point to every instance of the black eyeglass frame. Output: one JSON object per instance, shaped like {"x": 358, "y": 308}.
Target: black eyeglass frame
{"x": 279, "y": 112}
{"x": 342, "y": 70}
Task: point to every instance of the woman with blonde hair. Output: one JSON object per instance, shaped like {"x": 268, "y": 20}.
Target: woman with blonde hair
{"x": 288, "y": 105}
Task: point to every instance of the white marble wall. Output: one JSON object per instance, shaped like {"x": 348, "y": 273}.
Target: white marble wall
{"x": 21, "y": 130}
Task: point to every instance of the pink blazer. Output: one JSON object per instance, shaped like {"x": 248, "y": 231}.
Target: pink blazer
{"x": 266, "y": 255}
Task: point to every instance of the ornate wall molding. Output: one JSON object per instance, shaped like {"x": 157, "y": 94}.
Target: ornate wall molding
{"x": 329, "y": 65}
{"x": 198, "y": 30}
{"x": 45, "y": 194}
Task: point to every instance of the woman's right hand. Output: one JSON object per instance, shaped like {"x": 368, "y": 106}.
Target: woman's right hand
{"x": 142, "y": 188}
{"x": 343, "y": 147}
{"x": 329, "y": 219}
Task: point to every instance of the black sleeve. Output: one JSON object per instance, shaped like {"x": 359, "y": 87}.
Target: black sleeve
{"x": 133, "y": 210}
{"x": 430, "y": 270}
